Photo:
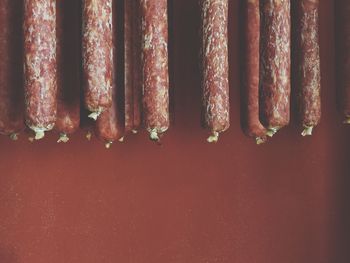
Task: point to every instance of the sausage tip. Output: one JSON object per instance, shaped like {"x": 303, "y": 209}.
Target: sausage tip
{"x": 153, "y": 135}
{"x": 63, "y": 138}
{"x": 108, "y": 144}
{"x": 121, "y": 139}
{"x": 271, "y": 131}
{"x": 88, "y": 135}
{"x": 14, "y": 136}
{"x": 39, "y": 134}
{"x": 347, "y": 120}
{"x": 94, "y": 115}
{"x": 213, "y": 138}
{"x": 134, "y": 131}
{"x": 260, "y": 140}
{"x": 307, "y": 131}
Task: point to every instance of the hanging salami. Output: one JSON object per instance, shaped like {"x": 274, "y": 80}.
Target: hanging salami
{"x": 215, "y": 85}
{"x": 252, "y": 125}
{"x": 68, "y": 64}
{"x": 309, "y": 77}
{"x": 97, "y": 55}
{"x": 109, "y": 127}
{"x": 275, "y": 64}
{"x": 40, "y": 80}
{"x": 155, "y": 66}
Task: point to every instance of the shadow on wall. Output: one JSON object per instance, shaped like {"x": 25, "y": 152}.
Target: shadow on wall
{"x": 342, "y": 185}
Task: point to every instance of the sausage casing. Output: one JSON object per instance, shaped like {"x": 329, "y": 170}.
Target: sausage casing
{"x": 155, "y": 66}
{"x": 97, "y": 45}
{"x": 40, "y": 78}
{"x": 275, "y": 64}
{"x": 215, "y": 67}
{"x": 309, "y": 72}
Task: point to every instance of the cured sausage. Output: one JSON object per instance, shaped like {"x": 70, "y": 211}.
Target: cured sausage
{"x": 40, "y": 80}
{"x": 155, "y": 66}
{"x": 97, "y": 55}
{"x": 215, "y": 67}
{"x": 252, "y": 125}
{"x": 132, "y": 60}
{"x": 109, "y": 127}
{"x": 309, "y": 79}
{"x": 11, "y": 70}
{"x": 275, "y": 64}
{"x": 137, "y": 70}
{"x": 128, "y": 64}
{"x": 343, "y": 57}
{"x": 68, "y": 74}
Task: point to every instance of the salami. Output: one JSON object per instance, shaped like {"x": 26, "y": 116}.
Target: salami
{"x": 309, "y": 79}
{"x": 68, "y": 74}
{"x": 97, "y": 55}
{"x": 109, "y": 127}
{"x": 343, "y": 57}
{"x": 128, "y": 64}
{"x": 155, "y": 66}
{"x": 252, "y": 124}
{"x": 275, "y": 64}
{"x": 11, "y": 71}
{"x": 40, "y": 83}
{"x": 137, "y": 70}
{"x": 132, "y": 60}
{"x": 215, "y": 67}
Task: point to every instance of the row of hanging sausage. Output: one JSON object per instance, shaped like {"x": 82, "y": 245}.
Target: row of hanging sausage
{"x": 56, "y": 48}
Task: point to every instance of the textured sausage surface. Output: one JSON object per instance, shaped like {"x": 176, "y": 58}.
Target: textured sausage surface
{"x": 40, "y": 65}
{"x": 343, "y": 63}
{"x": 109, "y": 127}
{"x": 251, "y": 123}
{"x": 155, "y": 66}
{"x": 68, "y": 73}
{"x": 309, "y": 81}
{"x": 132, "y": 66}
{"x": 11, "y": 70}
{"x": 275, "y": 63}
{"x": 129, "y": 19}
{"x": 97, "y": 55}
{"x": 137, "y": 69}
{"x": 215, "y": 66}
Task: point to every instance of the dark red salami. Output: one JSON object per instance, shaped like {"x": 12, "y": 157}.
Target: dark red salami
{"x": 252, "y": 125}
{"x": 215, "y": 67}
{"x": 129, "y": 18}
{"x": 155, "y": 66}
{"x": 68, "y": 73}
{"x": 132, "y": 59}
{"x": 109, "y": 126}
{"x": 309, "y": 77}
{"x": 11, "y": 70}
{"x": 275, "y": 64}
{"x": 137, "y": 69}
{"x": 97, "y": 55}
{"x": 343, "y": 57}
{"x": 40, "y": 65}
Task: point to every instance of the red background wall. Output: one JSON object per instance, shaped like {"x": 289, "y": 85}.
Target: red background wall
{"x": 184, "y": 201}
